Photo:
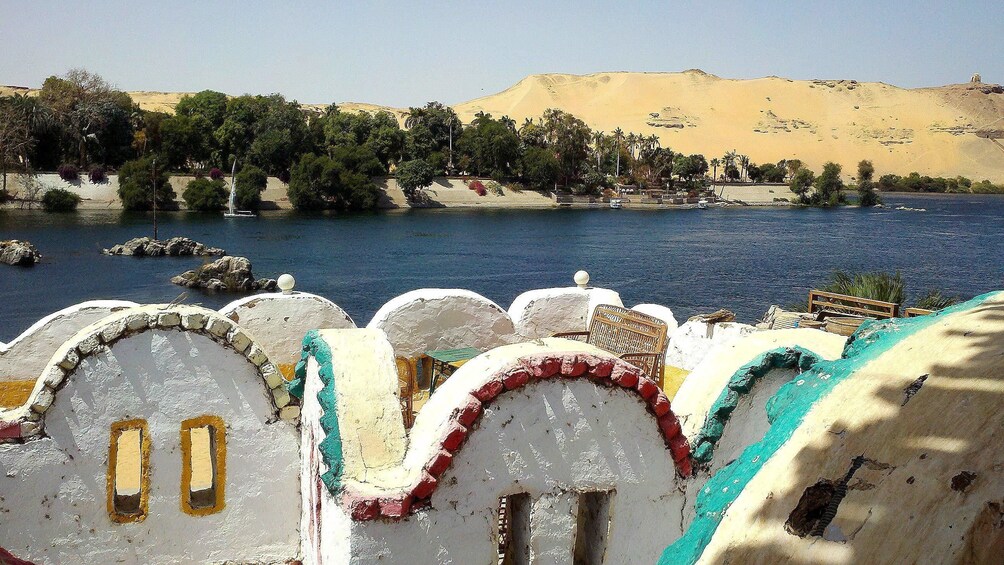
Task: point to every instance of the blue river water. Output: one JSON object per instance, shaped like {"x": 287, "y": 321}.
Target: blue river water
{"x": 742, "y": 259}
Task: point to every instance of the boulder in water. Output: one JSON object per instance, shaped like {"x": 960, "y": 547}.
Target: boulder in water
{"x": 226, "y": 274}
{"x": 174, "y": 247}
{"x": 20, "y": 253}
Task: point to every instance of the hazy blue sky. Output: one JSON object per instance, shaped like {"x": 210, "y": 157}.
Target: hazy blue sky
{"x": 406, "y": 53}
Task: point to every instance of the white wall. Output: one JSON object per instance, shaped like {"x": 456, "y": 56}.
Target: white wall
{"x": 431, "y": 319}
{"x": 551, "y": 438}
{"x": 24, "y": 357}
{"x": 54, "y": 488}
{"x": 546, "y": 311}
{"x": 279, "y": 321}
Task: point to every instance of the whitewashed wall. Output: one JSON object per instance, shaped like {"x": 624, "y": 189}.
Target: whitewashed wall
{"x": 23, "y": 358}
{"x": 53, "y": 489}
{"x": 279, "y": 321}
{"x": 430, "y": 319}
{"x": 551, "y": 439}
{"x": 547, "y": 311}
{"x": 691, "y": 342}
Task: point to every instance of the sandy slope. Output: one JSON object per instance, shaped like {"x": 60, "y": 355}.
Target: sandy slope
{"x": 937, "y": 131}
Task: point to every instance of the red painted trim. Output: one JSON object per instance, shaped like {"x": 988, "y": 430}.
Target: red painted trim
{"x": 9, "y": 430}
{"x": 7, "y": 558}
{"x": 604, "y": 371}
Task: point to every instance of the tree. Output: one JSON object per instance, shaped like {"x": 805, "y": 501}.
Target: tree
{"x": 206, "y": 195}
{"x": 828, "y": 185}
{"x": 490, "y": 146}
{"x": 91, "y": 114}
{"x": 136, "y": 185}
{"x": 16, "y": 140}
{"x": 714, "y": 168}
{"x": 414, "y": 175}
{"x": 431, "y": 129}
{"x": 341, "y": 182}
{"x": 540, "y": 169}
{"x": 60, "y": 200}
{"x": 251, "y": 182}
{"x": 801, "y": 182}
{"x": 266, "y": 131}
{"x": 866, "y": 188}
{"x": 568, "y": 138}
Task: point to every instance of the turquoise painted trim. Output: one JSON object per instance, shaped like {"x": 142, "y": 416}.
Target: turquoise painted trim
{"x": 331, "y": 446}
{"x": 785, "y": 411}
{"x": 741, "y": 384}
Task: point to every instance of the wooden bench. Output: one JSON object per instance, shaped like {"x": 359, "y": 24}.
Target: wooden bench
{"x": 833, "y": 303}
{"x": 637, "y": 338}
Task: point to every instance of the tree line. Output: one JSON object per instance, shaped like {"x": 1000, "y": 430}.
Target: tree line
{"x": 329, "y": 158}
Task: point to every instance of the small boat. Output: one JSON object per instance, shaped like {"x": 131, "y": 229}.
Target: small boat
{"x": 231, "y": 212}
{"x": 702, "y": 204}
{"x": 616, "y": 203}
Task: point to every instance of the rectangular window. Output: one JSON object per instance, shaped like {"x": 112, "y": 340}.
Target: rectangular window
{"x": 128, "y": 471}
{"x": 592, "y": 528}
{"x": 514, "y": 529}
{"x": 203, "y": 467}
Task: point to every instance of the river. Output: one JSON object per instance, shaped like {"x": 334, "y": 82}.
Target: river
{"x": 743, "y": 259}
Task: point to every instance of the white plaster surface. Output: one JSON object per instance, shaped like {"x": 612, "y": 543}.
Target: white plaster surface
{"x": 703, "y": 385}
{"x": 278, "y": 322}
{"x": 692, "y": 341}
{"x": 431, "y": 319}
{"x": 546, "y": 439}
{"x": 53, "y": 489}
{"x": 661, "y": 312}
{"x": 24, "y": 357}
{"x": 547, "y": 311}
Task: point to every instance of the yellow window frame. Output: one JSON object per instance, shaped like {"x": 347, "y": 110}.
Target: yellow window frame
{"x": 214, "y": 423}
{"x": 144, "y": 489}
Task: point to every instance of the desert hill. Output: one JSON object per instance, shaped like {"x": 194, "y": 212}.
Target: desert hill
{"x": 941, "y": 131}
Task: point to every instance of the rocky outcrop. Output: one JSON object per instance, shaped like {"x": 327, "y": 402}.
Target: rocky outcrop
{"x": 174, "y": 247}
{"x": 20, "y": 253}
{"x": 226, "y": 274}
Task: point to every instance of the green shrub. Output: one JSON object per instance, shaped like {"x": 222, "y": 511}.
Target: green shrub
{"x": 205, "y": 195}
{"x": 136, "y": 185}
{"x": 59, "y": 200}
{"x": 413, "y": 175}
{"x": 875, "y": 286}
{"x": 935, "y": 300}
{"x": 251, "y": 182}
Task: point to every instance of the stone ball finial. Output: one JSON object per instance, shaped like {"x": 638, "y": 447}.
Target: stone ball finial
{"x": 581, "y": 279}
{"x": 976, "y": 78}
{"x": 285, "y": 283}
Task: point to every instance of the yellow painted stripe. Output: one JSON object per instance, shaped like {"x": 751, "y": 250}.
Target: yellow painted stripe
{"x": 15, "y": 393}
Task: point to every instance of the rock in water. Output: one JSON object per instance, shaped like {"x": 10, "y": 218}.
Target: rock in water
{"x": 174, "y": 247}
{"x": 226, "y": 274}
{"x": 20, "y": 253}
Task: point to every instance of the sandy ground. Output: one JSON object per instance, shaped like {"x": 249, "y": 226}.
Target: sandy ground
{"x": 938, "y": 131}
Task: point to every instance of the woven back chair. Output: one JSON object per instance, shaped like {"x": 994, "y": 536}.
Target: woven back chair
{"x": 637, "y": 338}
{"x": 407, "y": 386}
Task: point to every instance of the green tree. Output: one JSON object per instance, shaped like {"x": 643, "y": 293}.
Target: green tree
{"x": 491, "y": 147}
{"x": 431, "y": 129}
{"x": 339, "y": 182}
{"x": 205, "y": 195}
{"x": 413, "y": 175}
{"x": 828, "y": 185}
{"x": 866, "y": 188}
{"x": 801, "y": 181}
{"x": 251, "y": 182}
{"x": 266, "y": 131}
{"x": 568, "y": 139}
{"x": 540, "y": 169}
{"x": 136, "y": 185}
{"x": 60, "y": 200}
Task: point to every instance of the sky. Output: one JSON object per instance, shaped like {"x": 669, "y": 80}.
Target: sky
{"x": 405, "y": 53}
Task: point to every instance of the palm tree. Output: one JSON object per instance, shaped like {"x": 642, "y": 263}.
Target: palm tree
{"x": 729, "y": 161}
{"x": 413, "y": 117}
{"x": 632, "y": 140}
{"x": 714, "y": 168}
{"x": 598, "y": 140}
{"x": 618, "y": 135}
{"x": 744, "y": 164}
{"x": 509, "y": 123}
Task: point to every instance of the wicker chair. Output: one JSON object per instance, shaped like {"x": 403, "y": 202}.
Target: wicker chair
{"x": 637, "y": 338}
{"x": 408, "y": 386}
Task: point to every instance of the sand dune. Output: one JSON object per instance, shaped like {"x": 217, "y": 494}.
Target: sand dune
{"x": 938, "y": 131}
